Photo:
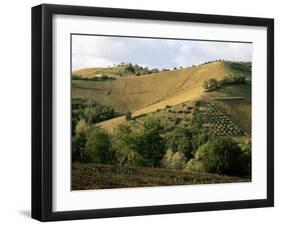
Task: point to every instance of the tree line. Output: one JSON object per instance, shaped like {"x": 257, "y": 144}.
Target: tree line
{"x": 191, "y": 149}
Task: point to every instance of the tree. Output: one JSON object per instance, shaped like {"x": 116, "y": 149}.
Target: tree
{"x": 81, "y": 127}
{"x": 139, "y": 147}
{"x": 180, "y": 140}
{"x": 233, "y": 79}
{"x": 98, "y": 148}
{"x": 78, "y": 146}
{"x": 128, "y": 116}
{"x": 125, "y": 143}
{"x": 210, "y": 84}
{"x": 152, "y": 145}
{"x": 173, "y": 160}
{"x": 221, "y": 155}
{"x": 79, "y": 140}
{"x": 129, "y": 69}
{"x": 247, "y": 158}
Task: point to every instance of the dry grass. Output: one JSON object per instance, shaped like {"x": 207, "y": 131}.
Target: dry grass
{"x": 92, "y": 72}
{"x": 147, "y": 93}
{"x": 138, "y": 92}
{"x": 94, "y": 176}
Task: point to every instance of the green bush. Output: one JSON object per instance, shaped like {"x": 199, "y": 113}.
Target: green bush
{"x": 196, "y": 104}
{"x": 143, "y": 147}
{"x": 221, "y": 155}
{"x": 98, "y": 148}
{"x": 210, "y": 84}
{"x": 128, "y": 116}
{"x": 129, "y": 69}
{"x": 180, "y": 140}
{"x": 126, "y": 145}
{"x": 244, "y": 67}
{"x": 78, "y": 146}
{"x": 233, "y": 79}
{"x": 151, "y": 143}
{"x": 90, "y": 111}
{"x": 247, "y": 158}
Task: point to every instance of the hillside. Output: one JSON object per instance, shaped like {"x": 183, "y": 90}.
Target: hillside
{"x": 134, "y": 93}
{"x": 122, "y": 69}
{"x": 149, "y": 93}
{"x": 161, "y": 129}
{"x": 92, "y": 72}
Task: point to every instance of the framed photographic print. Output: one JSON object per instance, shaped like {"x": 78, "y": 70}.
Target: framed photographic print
{"x": 145, "y": 112}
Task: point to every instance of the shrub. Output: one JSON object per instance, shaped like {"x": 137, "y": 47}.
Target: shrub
{"x": 197, "y": 103}
{"x": 180, "y": 140}
{"x": 244, "y": 67}
{"x": 128, "y": 116}
{"x": 173, "y": 160}
{"x": 89, "y": 111}
{"x": 81, "y": 127}
{"x": 194, "y": 165}
{"x": 177, "y": 121}
{"x": 210, "y": 84}
{"x": 221, "y": 155}
{"x": 98, "y": 148}
{"x": 139, "y": 148}
{"x": 125, "y": 143}
{"x": 197, "y": 119}
{"x": 151, "y": 144}
{"x": 78, "y": 146}
{"x": 199, "y": 137}
{"x": 247, "y": 158}
{"x": 129, "y": 69}
{"x": 233, "y": 79}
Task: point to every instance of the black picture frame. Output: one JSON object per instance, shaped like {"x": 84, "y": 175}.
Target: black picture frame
{"x": 42, "y": 111}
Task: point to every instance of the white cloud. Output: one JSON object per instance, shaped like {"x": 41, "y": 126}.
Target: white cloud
{"x": 100, "y": 51}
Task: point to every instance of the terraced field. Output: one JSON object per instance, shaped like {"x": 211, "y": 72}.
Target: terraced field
{"x": 220, "y": 124}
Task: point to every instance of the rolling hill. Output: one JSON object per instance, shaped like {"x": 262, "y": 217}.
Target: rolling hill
{"x": 149, "y": 93}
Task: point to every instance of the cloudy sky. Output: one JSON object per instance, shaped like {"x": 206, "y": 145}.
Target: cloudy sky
{"x": 101, "y": 51}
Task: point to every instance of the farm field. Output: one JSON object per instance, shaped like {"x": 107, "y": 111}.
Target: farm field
{"x": 94, "y": 176}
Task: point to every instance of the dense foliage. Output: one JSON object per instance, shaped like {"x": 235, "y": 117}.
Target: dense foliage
{"x": 192, "y": 148}
{"x": 210, "y": 84}
{"x": 145, "y": 147}
{"x": 221, "y": 155}
{"x": 103, "y": 77}
{"x": 89, "y": 111}
{"x": 233, "y": 79}
{"x": 244, "y": 67}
